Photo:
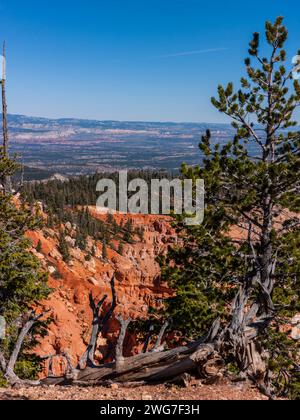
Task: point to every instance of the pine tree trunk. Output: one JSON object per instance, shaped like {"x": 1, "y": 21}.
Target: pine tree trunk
{"x": 7, "y": 180}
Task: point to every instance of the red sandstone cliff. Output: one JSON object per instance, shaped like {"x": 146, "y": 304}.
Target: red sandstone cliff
{"x": 138, "y": 285}
{"x": 137, "y": 276}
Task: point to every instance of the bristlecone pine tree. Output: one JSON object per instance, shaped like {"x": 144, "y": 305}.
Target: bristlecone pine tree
{"x": 22, "y": 284}
{"x": 249, "y": 244}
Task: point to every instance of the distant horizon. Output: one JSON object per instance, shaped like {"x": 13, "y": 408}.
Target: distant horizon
{"x": 114, "y": 120}
{"x": 125, "y": 121}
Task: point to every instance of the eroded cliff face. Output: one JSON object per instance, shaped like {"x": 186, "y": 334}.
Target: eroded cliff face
{"x": 138, "y": 285}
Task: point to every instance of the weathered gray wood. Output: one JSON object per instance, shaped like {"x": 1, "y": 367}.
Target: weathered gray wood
{"x": 3, "y": 363}
{"x": 4, "y": 104}
{"x": 150, "y": 367}
{"x": 6, "y": 179}
{"x": 9, "y": 373}
{"x": 90, "y": 351}
{"x": 160, "y": 336}
{"x": 87, "y": 358}
{"x": 119, "y": 347}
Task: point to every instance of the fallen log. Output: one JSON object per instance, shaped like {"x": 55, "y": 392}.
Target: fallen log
{"x": 201, "y": 358}
{"x": 8, "y": 367}
{"x": 152, "y": 368}
{"x": 154, "y": 365}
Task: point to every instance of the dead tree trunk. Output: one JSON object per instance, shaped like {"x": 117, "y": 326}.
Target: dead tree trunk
{"x": 8, "y": 367}
{"x": 88, "y": 355}
{"x": 151, "y": 366}
{"x": 157, "y": 346}
{"x": 202, "y": 358}
{"x": 98, "y": 324}
{"x": 119, "y": 348}
{"x": 7, "y": 180}
{"x": 4, "y": 104}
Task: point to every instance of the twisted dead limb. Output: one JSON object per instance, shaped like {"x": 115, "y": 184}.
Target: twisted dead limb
{"x": 149, "y": 367}
{"x": 148, "y": 338}
{"x": 9, "y": 366}
{"x": 157, "y": 345}
{"x": 87, "y": 358}
{"x": 202, "y": 358}
{"x": 119, "y": 348}
{"x": 3, "y": 363}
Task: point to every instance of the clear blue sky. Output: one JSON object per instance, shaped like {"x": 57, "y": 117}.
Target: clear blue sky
{"x": 158, "y": 60}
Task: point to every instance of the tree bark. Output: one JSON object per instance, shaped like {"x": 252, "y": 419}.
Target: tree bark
{"x": 88, "y": 357}
{"x": 7, "y": 180}
{"x": 9, "y": 373}
{"x": 119, "y": 348}
{"x": 148, "y": 367}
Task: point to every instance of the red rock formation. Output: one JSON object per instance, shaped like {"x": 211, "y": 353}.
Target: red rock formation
{"x": 138, "y": 284}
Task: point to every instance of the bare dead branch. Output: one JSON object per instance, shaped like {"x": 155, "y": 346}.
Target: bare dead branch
{"x": 148, "y": 338}
{"x": 213, "y": 331}
{"x": 71, "y": 371}
{"x": 119, "y": 348}
{"x": 10, "y": 374}
{"x": 90, "y": 351}
{"x": 3, "y": 363}
{"x": 113, "y": 304}
{"x": 33, "y": 318}
{"x": 98, "y": 325}
{"x": 160, "y": 336}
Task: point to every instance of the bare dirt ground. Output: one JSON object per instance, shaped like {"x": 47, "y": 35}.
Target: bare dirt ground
{"x": 158, "y": 392}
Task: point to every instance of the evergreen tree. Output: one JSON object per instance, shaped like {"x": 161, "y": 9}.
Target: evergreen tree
{"x": 80, "y": 240}
{"x": 110, "y": 219}
{"x": 128, "y": 231}
{"x": 104, "y": 249}
{"x": 141, "y": 233}
{"x": 22, "y": 282}
{"x": 115, "y": 227}
{"x": 39, "y": 246}
{"x": 251, "y": 185}
{"x": 64, "y": 247}
{"x": 120, "y": 248}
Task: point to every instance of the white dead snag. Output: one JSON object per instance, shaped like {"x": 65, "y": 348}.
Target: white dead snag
{"x": 113, "y": 305}
{"x": 3, "y": 363}
{"x": 157, "y": 345}
{"x": 119, "y": 348}
{"x": 49, "y": 358}
{"x": 9, "y": 373}
{"x": 72, "y": 373}
{"x": 151, "y": 367}
{"x": 7, "y": 180}
{"x": 88, "y": 357}
{"x": 4, "y": 104}
{"x": 214, "y": 330}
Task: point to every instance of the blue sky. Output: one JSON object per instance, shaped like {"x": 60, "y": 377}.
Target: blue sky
{"x": 154, "y": 60}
